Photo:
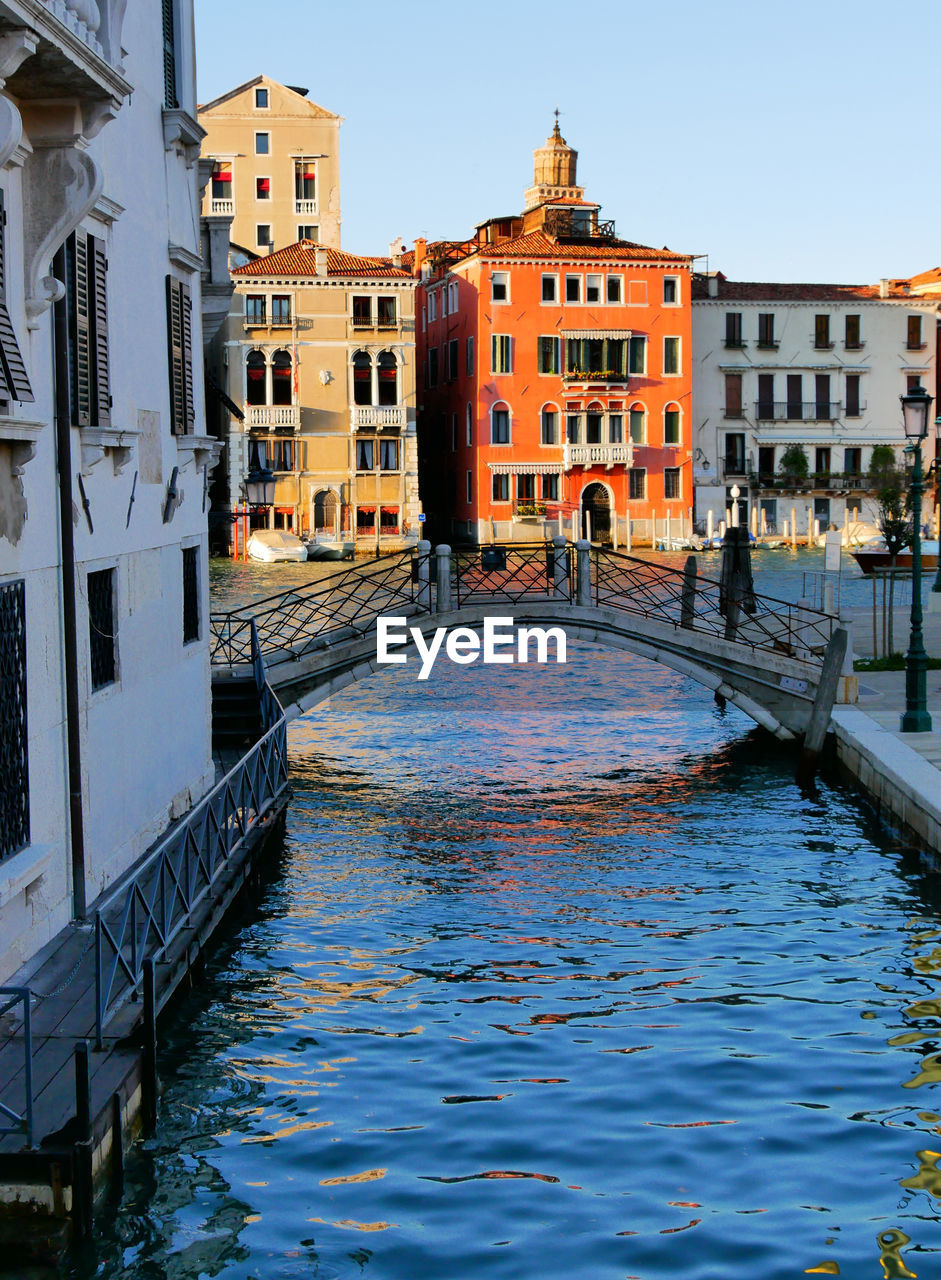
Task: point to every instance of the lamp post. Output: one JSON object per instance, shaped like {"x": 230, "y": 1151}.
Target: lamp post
{"x": 935, "y": 605}
{"x": 259, "y": 487}
{"x": 915, "y": 407}
{"x": 734, "y": 493}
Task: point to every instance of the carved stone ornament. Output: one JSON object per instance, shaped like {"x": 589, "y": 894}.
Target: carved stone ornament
{"x": 60, "y": 185}
{"x": 96, "y": 441}
{"x": 11, "y": 129}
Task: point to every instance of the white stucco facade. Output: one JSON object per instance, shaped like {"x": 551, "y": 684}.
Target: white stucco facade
{"x": 817, "y": 366}
{"x": 104, "y": 159}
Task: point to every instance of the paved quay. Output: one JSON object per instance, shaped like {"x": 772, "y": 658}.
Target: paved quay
{"x": 900, "y": 771}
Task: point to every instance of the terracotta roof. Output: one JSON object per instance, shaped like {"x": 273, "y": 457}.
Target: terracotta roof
{"x": 758, "y": 291}
{"x": 536, "y": 244}
{"x": 300, "y": 260}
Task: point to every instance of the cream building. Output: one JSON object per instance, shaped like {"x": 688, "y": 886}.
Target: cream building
{"x": 276, "y": 165}
{"x": 320, "y": 351}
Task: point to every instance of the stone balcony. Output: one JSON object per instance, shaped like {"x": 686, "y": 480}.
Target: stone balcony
{"x": 271, "y": 416}
{"x": 222, "y": 206}
{"x": 305, "y": 208}
{"x": 374, "y": 417}
{"x": 597, "y": 455}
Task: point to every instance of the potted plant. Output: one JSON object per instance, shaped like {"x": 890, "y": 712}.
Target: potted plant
{"x": 794, "y": 467}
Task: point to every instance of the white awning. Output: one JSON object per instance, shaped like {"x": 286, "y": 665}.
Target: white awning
{"x": 619, "y": 335}
{"x": 525, "y": 468}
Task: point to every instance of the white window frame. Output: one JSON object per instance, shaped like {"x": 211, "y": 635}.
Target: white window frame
{"x": 263, "y": 133}
{"x": 672, "y": 405}
{"x": 645, "y": 344}
{"x": 503, "y": 444}
{"x": 504, "y": 277}
{"x": 601, "y": 285}
{"x": 303, "y": 226}
{"x": 574, "y": 302}
{"x": 620, "y": 279}
{"x": 263, "y": 244}
{"x": 673, "y": 337}
{"x": 262, "y": 88}
{"x": 677, "y": 302}
{"x": 260, "y": 177}
{"x": 494, "y": 340}
{"x": 643, "y": 472}
{"x": 545, "y": 373}
{"x": 679, "y": 476}
{"x": 554, "y": 277}
{"x": 432, "y": 305}
{"x": 551, "y": 407}
{"x": 637, "y": 404}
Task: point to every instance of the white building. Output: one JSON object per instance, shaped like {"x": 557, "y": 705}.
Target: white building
{"x": 817, "y": 366}
{"x": 104, "y": 688}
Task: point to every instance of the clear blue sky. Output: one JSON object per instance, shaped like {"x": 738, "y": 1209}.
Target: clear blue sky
{"x": 787, "y": 142}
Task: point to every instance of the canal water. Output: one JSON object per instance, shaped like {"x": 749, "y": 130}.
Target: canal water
{"x": 559, "y": 977}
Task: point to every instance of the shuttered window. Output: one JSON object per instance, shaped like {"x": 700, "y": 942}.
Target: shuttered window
{"x": 14, "y": 738}
{"x": 86, "y": 269}
{"x": 14, "y": 383}
{"x": 169, "y": 55}
{"x": 180, "y": 356}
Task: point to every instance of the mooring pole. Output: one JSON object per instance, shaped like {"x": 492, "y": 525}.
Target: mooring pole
{"x": 442, "y": 578}
{"x": 688, "y": 598}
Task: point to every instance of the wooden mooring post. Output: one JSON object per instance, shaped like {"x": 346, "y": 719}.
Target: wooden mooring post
{"x": 149, "y": 1050}
{"x": 688, "y": 597}
{"x": 823, "y": 705}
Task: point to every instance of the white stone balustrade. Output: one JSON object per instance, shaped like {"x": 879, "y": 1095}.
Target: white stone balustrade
{"x": 222, "y": 206}
{"x": 371, "y": 415}
{"x": 593, "y": 455}
{"x": 274, "y": 415}
{"x": 305, "y": 206}
{"x": 82, "y": 18}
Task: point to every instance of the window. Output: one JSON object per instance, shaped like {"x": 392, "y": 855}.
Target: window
{"x": 548, "y": 355}
{"x": 550, "y": 288}
{"x": 822, "y": 512}
{"x": 280, "y": 451}
{"x": 733, "y": 395}
{"x": 451, "y": 360}
{"x": 256, "y": 391}
{"x": 671, "y": 293}
{"x": 386, "y": 312}
{"x": 615, "y": 428}
{"x": 14, "y": 789}
{"x": 671, "y": 482}
{"x": 309, "y": 231}
{"x": 638, "y": 355}
{"x": 597, "y": 358}
{"x": 637, "y": 484}
{"x": 387, "y": 378}
{"x": 914, "y": 333}
{"x": 766, "y": 396}
{"x": 261, "y": 99}
{"x": 452, "y": 296}
{"x": 593, "y": 286}
{"x": 263, "y": 234}
{"x": 281, "y": 309}
{"x": 362, "y": 378}
{"x": 365, "y": 520}
{"x": 469, "y": 478}
{"x": 262, "y": 144}
{"x": 500, "y": 426}
{"x": 499, "y": 286}
{"x": 469, "y": 356}
{"x": 795, "y": 397}
{"x": 101, "y": 629}
{"x": 822, "y": 462}
{"x": 190, "y": 594}
{"x": 305, "y": 186}
{"x": 526, "y": 487}
{"x": 573, "y": 288}
{"x": 170, "y": 99}
{"x": 221, "y": 180}
{"x": 281, "y": 377}
{"x": 853, "y": 462}
{"x": 766, "y": 463}
{"x": 500, "y": 488}
{"x": 766, "y": 331}
{"x": 593, "y": 425}
{"x": 388, "y": 455}
{"x": 500, "y": 353}
{"x": 671, "y": 356}
{"x": 573, "y": 427}
{"x": 468, "y": 426}
{"x": 550, "y": 427}
{"x": 550, "y": 488}
{"x": 432, "y": 305}
{"x": 852, "y": 395}
{"x": 822, "y": 395}
{"x": 733, "y": 329}
{"x": 735, "y": 453}
{"x": 433, "y": 367}
{"x": 262, "y": 188}
{"x": 911, "y": 382}
{"x": 638, "y": 424}
{"x": 851, "y": 333}
{"x": 388, "y": 520}
{"x": 454, "y": 433}
{"x": 365, "y": 455}
{"x": 180, "y": 356}
{"x": 671, "y": 426}
{"x": 255, "y": 310}
{"x": 362, "y": 311}
{"x": 86, "y": 299}
{"x": 822, "y": 333}
{"x": 615, "y": 289}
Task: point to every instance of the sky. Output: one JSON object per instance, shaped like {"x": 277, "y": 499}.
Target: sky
{"x": 789, "y": 142}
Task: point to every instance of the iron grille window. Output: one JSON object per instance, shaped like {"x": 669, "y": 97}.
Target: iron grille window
{"x": 190, "y": 594}
{"x": 637, "y": 481}
{"x": 101, "y": 627}
{"x": 14, "y": 764}
{"x": 671, "y": 482}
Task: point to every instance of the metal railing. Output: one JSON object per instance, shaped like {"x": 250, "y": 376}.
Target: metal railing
{"x": 509, "y": 574}
{"x": 22, "y": 1121}
{"x": 300, "y": 619}
{"x": 140, "y": 918}
{"x": 798, "y": 410}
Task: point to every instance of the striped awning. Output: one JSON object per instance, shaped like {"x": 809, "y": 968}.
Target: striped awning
{"x": 525, "y": 468}
{"x": 619, "y": 335}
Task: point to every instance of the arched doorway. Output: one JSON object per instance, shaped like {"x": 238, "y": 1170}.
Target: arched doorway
{"x": 596, "y": 505}
{"x": 326, "y": 510}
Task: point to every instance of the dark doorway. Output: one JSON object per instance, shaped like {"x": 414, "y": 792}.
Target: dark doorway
{"x": 596, "y": 504}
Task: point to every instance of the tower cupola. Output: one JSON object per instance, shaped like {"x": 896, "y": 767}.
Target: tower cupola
{"x": 554, "y": 171}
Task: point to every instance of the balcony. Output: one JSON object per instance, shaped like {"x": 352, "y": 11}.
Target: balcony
{"x": 735, "y": 344}
{"x": 530, "y": 510}
{"x": 360, "y": 323}
{"x": 798, "y": 411}
{"x": 595, "y": 375}
{"x": 274, "y": 415}
{"x": 304, "y": 208}
{"x": 378, "y": 417}
{"x": 222, "y": 206}
{"x": 597, "y": 455}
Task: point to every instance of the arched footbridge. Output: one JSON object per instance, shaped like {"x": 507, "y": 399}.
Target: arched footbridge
{"x": 778, "y": 662}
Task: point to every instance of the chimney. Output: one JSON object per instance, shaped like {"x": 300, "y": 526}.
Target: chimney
{"x": 883, "y": 288}
{"x": 713, "y": 285}
{"x": 421, "y": 253}
{"x": 396, "y": 249}
{"x": 320, "y": 261}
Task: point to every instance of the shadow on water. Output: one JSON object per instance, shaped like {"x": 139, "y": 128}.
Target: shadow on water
{"x": 561, "y": 976}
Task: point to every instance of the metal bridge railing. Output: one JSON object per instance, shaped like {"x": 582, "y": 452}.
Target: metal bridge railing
{"x": 21, "y": 1121}
{"x": 142, "y": 916}
{"x": 296, "y": 619}
{"x": 510, "y": 574}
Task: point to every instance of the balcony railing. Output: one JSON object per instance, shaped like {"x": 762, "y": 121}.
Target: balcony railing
{"x": 222, "y": 206}
{"x": 595, "y": 375}
{"x": 597, "y": 455}
{"x": 274, "y": 415}
{"x": 375, "y": 322}
{"x": 377, "y": 416}
{"x": 797, "y": 411}
{"x": 303, "y": 207}
{"x": 827, "y": 481}
{"x": 81, "y": 17}
{"x": 530, "y": 510}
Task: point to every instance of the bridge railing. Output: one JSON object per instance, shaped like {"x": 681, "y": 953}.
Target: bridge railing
{"x": 511, "y": 573}
{"x": 699, "y": 604}
{"x": 351, "y": 598}
{"x": 18, "y": 1121}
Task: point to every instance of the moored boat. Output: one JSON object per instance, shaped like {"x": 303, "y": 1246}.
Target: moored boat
{"x": 272, "y": 545}
{"x": 875, "y": 555}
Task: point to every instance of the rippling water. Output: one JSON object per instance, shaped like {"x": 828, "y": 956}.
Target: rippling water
{"x": 559, "y": 976}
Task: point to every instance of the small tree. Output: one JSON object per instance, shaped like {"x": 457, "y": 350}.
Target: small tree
{"x": 891, "y": 484}
{"x": 794, "y": 465}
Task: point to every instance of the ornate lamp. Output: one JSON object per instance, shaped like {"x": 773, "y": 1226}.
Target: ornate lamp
{"x": 915, "y": 408}
{"x": 259, "y": 487}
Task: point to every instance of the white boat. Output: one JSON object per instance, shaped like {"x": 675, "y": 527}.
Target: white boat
{"x": 325, "y": 546}
{"x": 271, "y": 545}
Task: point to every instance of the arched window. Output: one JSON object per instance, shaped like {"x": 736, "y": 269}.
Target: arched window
{"x": 388, "y": 375}
{"x": 256, "y": 391}
{"x": 362, "y": 378}
{"x": 549, "y": 424}
{"x": 468, "y": 426}
{"x": 281, "y": 377}
{"x": 500, "y": 423}
{"x": 671, "y": 424}
{"x": 638, "y": 423}
{"x": 593, "y": 419}
{"x": 325, "y": 511}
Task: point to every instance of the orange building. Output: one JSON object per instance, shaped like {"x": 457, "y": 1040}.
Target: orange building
{"x": 555, "y": 365}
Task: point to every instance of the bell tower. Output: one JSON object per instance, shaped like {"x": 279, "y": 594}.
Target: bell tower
{"x": 554, "y": 171}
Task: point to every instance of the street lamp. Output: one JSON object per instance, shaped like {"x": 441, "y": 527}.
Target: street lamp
{"x": 915, "y": 407}
{"x": 734, "y": 493}
{"x": 259, "y": 487}
{"x": 936, "y": 588}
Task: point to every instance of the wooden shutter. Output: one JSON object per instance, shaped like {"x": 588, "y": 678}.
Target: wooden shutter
{"x": 733, "y": 395}
{"x": 175, "y": 357}
{"x": 14, "y": 383}
{"x": 186, "y": 313}
{"x": 80, "y": 332}
{"x": 98, "y": 303}
{"x": 169, "y": 55}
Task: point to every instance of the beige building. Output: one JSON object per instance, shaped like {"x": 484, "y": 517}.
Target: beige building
{"x": 320, "y": 352}
{"x": 276, "y": 165}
